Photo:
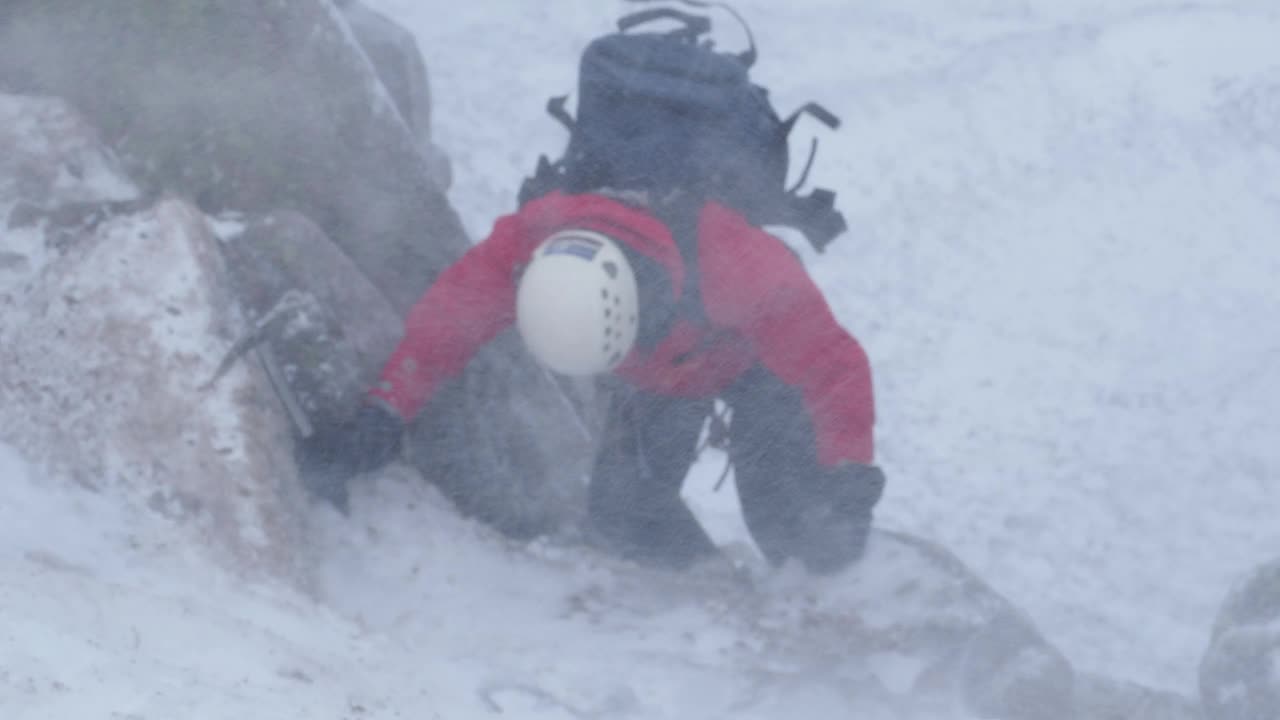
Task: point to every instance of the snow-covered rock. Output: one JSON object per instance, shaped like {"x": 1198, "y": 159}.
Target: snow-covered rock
{"x": 55, "y": 176}
{"x": 913, "y": 599}
{"x": 112, "y": 327}
{"x": 106, "y": 365}
{"x": 48, "y": 154}
{"x": 1240, "y": 673}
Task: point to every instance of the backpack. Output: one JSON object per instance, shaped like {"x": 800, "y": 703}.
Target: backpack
{"x": 663, "y": 111}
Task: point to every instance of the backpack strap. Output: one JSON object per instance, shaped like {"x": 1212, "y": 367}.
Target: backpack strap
{"x": 556, "y": 109}
{"x": 695, "y": 25}
{"x": 820, "y": 113}
{"x": 815, "y": 214}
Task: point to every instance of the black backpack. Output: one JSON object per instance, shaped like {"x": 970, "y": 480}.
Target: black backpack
{"x": 663, "y": 111}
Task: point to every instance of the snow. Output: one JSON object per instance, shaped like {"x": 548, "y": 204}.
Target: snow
{"x": 448, "y": 622}
{"x": 71, "y": 169}
{"x": 116, "y": 619}
{"x": 1062, "y": 262}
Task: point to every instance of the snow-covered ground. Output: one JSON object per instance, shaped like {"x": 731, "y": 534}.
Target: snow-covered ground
{"x": 1062, "y": 261}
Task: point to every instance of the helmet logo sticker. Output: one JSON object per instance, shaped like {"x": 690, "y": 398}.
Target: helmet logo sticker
{"x": 575, "y": 245}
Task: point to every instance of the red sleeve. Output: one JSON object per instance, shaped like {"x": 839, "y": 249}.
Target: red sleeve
{"x": 753, "y": 283}
{"x": 467, "y": 306}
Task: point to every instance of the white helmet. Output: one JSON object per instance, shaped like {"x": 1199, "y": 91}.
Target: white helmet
{"x": 576, "y": 303}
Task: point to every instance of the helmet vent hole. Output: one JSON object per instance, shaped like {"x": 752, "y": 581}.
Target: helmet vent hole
{"x": 610, "y": 268}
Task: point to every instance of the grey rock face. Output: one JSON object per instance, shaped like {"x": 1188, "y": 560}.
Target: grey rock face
{"x": 506, "y": 444}
{"x": 251, "y": 106}
{"x": 1240, "y": 672}
{"x": 398, "y": 61}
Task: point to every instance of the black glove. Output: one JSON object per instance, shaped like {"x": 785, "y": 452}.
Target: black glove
{"x": 337, "y": 452}
{"x": 864, "y": 483}
{"x": 837, "y": 527}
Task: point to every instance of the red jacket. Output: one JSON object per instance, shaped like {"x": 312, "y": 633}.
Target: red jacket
{"x": 759, "y": 305}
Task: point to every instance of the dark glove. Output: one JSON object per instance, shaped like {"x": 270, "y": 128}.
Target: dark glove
{"x": 837, "y": 527}
{"x": 864, "y": 483}
{"x": 337, "y": 452}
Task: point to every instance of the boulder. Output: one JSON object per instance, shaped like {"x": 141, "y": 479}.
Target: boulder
{"x": 107, "y": 348}
{"x": 918, "y": 629}
{"x": 396, "y": 58}
{"x": 971, "y": 637}
{"x": 518, "y": 458}
{"x": 251, "y": 106}
{"x": 1240, "y": 672}
{"x": 56, "y": 179}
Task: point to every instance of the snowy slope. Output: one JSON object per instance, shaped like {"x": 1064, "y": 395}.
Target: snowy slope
{"x": 1063, "y": 263}
{"x": 110, "y": 607}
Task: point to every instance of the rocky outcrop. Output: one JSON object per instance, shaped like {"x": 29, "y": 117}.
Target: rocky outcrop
{"x": 251, "y": 106}
{"x": 111, "y": 328}
{"x": 145, "y": 345}
{"x": 908, "y": 632}
{"x": 1240, "y": 672}
{"x": 262, "y": 106}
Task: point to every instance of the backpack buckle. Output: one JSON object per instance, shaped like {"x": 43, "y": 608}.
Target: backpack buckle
{"x": 816, "y": 216}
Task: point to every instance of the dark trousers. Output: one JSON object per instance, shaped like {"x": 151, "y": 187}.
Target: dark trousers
{"x": 793, "y": 507}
